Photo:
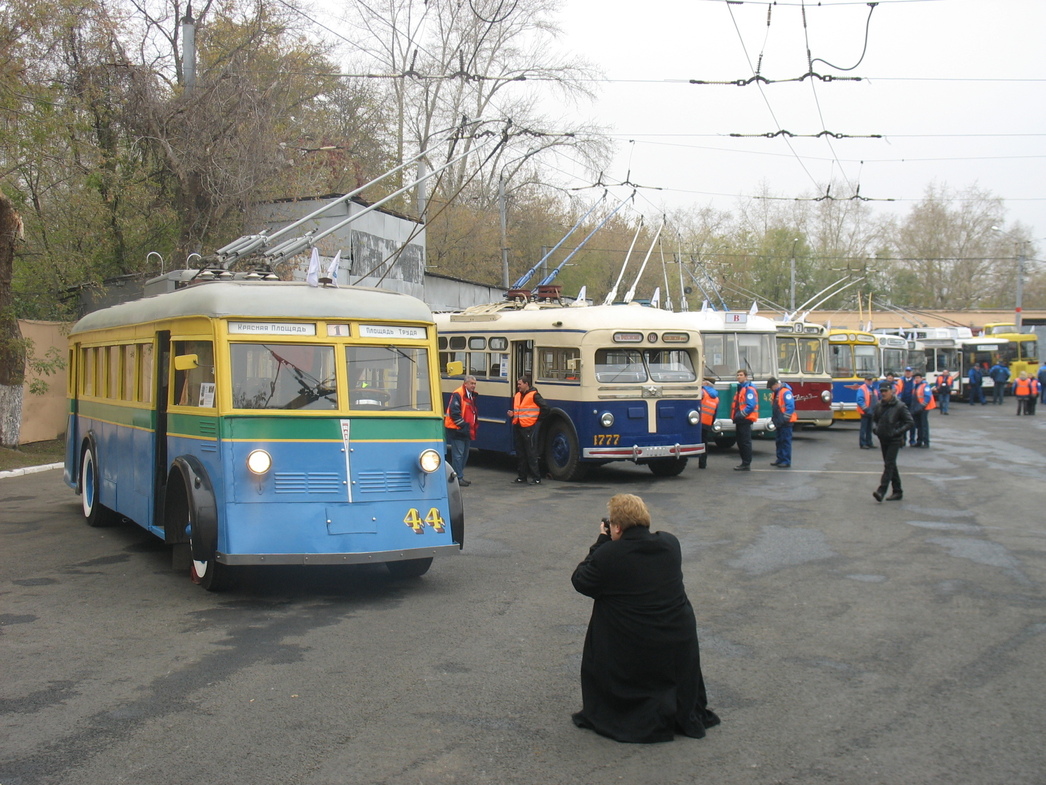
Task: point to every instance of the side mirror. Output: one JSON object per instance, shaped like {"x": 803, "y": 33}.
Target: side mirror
{"x": 186, "y": 362}
{"x": 455, "y": 368}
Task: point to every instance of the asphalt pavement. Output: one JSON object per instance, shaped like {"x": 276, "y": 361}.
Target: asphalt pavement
{"x": 844, "y": 642}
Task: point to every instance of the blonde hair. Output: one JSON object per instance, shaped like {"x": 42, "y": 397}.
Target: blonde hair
{"x": 627, "y": 510}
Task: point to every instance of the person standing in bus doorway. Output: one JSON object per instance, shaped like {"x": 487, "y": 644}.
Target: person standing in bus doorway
{"x": 922, "y": 404}
{"x": 784, "y": 418}
{"x": 709, "y": 407}
{"x": 976, "y": 383}
{"x": 999, "y": 374}
{"x": 867, "y": 397}
{"x": 744, "y": 411}
{"x": 944, "y": 390}
{"x": 892, "y": 421}
{"x": 1024, "y": 393}
{"x": 528, "y": 408}
{"x": 460, "y": 423}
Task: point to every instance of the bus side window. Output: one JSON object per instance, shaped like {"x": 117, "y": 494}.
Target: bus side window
{"x": 194, "y": 386}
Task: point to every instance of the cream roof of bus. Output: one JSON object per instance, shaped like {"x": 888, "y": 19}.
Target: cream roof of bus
{"x": 592, "y": 317}
{"x": 716, "y": 320}
{"x": 261, "y": 299}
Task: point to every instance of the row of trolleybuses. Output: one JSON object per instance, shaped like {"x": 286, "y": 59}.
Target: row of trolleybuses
{"x": 624, "y": 381}
{"x": 265, "y": 423}
{"x": 929, "y": 351}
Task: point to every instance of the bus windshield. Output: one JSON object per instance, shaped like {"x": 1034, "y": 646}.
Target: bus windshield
{"x": 632, "y": 365}
{"x": 283, "y": 376}
{"x": 728, "y": 353}
{"x": 848, "y": 362}
{"x": 810, "y": 355}
{"x": 390, "y": 378}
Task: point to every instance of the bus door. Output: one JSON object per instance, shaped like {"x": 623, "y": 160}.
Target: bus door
{"x": 522, "y": 362}
{"x": 161, "y": 381}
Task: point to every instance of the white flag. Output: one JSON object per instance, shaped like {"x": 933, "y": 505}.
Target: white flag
{"x": 313, "y": 276}
{"x": 754, "y": 309}
{"x": 332, "y": 271}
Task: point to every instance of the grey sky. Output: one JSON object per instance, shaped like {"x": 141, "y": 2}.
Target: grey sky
{"x": 957, "y": 88}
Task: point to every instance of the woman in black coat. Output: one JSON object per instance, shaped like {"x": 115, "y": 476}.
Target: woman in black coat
{"x": 641, "y": 667}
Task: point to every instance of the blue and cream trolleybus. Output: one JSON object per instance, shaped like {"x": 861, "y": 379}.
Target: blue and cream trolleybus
{"x": 622, "y": 381}
{"x": 265, "y": 423}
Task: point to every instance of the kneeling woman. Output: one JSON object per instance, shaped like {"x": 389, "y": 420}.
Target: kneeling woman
{"x": 641, "y": 668}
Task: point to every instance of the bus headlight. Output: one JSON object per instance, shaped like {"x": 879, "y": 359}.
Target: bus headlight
{"x": 693, "y": 417}
{"x": 429, "y": 461}
{"x": 826, "y": 396}
{"x": 259, "y": 461}
{"x": 606, "y": 419}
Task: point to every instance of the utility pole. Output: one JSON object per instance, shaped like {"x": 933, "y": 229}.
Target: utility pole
{"x": 791, "y": 306}
{"x": 1020, "y": 284}
{"x": 504, "y": 232}
{"x": 188, "y": 49}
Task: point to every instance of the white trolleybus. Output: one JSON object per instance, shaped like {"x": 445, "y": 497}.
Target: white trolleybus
{"x": 734, "y": 341}
{"x": 261, "y": 423}
{"x": 622, "y": 381}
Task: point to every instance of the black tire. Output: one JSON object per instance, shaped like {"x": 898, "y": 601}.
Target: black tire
{"x": 725, "y": 442}
{"x": 94, "y": 512}
{"x": 562, "y": 454}
{"x": 667, "y": 467}
{"x": 410, "y": 568}
{"x": 207, "y": 573}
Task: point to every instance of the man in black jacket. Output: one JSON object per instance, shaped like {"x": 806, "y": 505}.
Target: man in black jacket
{"x": 891, "y": 421}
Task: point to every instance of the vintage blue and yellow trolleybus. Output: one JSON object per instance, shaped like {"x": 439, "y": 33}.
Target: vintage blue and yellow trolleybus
{"x": 265, "y": 423}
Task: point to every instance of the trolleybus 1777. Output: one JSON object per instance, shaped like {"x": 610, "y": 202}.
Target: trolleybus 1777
{"x": 262, "y": 423}
{"x": 622, "y": 381}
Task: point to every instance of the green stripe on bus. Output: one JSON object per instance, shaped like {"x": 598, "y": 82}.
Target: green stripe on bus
{"x": 329, "y": 428}
{"x": 118, "y": 414}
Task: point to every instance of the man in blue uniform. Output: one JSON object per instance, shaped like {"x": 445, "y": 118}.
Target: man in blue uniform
{"x": 784, "y": 418}
{"x": 744, "y": 411}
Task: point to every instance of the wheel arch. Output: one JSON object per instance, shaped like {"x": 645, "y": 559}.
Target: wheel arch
{"x": 456, "y": 507}
{"x": 189, "y": 490}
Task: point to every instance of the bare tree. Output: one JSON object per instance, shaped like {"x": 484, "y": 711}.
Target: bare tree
{"x": 446, "y": 60}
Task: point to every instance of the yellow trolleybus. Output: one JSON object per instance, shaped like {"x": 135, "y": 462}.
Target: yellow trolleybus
{"x": 259, "y": 423}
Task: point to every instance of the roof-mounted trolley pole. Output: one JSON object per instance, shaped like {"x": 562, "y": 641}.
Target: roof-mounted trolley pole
{"x": 251, "y": 243}
{"x": 632, "y": 289}
{"x": 517, "y": 291}
{"x": 612, "y": 294}
{"x": 546, "y": 290}
{"x": 293, "y": 247}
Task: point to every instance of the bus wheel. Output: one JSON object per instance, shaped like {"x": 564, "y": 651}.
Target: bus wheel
{"x": 94, "y": 512}
{"x": 410, "y": 568}
{"x": 562, "y": 455}
{"x": 667, "y": 467}
{"x": 725, "y": 442}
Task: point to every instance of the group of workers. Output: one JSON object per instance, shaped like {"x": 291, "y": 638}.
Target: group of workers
{"x": 461, "y": 419}
{"x": 1026, "y": 389}
{"x": 918, "y": 396}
